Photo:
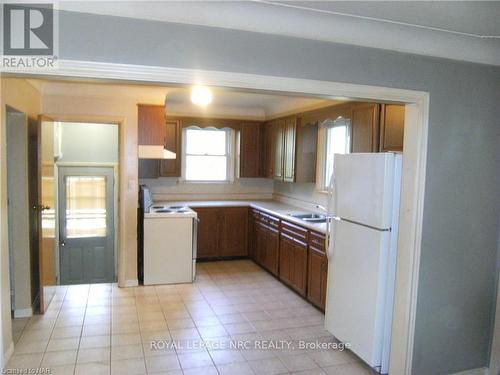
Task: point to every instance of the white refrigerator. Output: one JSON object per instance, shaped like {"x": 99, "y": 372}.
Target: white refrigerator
{"x": 364, "y": 201}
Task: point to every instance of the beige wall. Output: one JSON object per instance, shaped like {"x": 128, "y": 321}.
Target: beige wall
{"x": 124, "y": 112}
{"x": 20, "y": 95}
{"x": 17, "y": 190}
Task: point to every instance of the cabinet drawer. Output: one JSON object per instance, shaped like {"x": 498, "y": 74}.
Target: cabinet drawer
{"x": 317, "y": 240}
{"x": 269, "y": 220}
{"x": 255, "y": 213}
{"x": 294, "y": 231}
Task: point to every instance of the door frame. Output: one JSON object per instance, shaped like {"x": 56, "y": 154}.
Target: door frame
{"x": 93, "y": 166}
{"x": 414, "y": 169}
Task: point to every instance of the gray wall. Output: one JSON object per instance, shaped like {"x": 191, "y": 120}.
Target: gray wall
{"x": 89, "y": 143}
{"x": 456, "y": 294}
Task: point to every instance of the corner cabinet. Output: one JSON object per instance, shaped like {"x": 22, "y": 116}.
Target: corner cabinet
{"x": 222, "y": 232}
{"x": 155, "y": 129}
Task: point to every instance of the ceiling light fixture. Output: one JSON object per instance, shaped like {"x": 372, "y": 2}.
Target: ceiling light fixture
{"x": 201, "y": 95}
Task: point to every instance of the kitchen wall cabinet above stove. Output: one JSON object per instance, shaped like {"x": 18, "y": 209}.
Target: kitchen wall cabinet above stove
{"x": 154, "y": 129}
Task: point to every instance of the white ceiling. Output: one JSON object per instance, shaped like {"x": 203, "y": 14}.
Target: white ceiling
{"x": 461, "y": 30}
{"x": 226, "y": 103}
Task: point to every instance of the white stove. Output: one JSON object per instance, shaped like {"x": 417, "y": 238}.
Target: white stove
{"x": 158, "y": 209}
{"x": 169, "y": 244}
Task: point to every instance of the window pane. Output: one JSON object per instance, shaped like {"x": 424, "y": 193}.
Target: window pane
{"x": 85, "y": 206}
{"x": 206, "y": 168}
{"x": 205, "y": 142}
{"x": 337, "y": 142}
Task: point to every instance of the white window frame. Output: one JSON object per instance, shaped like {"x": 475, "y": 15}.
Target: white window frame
{"x": 322, "y": 181}
{"x": 230, "y": 155}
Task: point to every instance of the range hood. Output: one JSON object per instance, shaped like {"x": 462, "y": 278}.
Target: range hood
{"x": 155, "y": 152}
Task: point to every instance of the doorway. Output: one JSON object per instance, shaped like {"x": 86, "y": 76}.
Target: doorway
{"x": 86, "y": 225}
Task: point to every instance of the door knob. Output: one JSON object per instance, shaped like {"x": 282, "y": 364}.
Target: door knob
{"x": 62, "y": 243}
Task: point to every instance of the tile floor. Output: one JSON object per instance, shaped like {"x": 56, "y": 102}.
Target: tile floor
{"x": 183, "y": 329}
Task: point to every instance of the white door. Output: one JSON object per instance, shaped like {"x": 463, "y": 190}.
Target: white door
{"x": 363, "y": 188}
{"x": 357, "y": 277}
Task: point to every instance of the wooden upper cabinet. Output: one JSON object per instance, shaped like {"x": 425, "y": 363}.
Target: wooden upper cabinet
{"x": 306, "y": 150}
{"x": 250, "y": 149}
{"x": 172, "y": 167}
{"x": 290, "y": 129}
{"x": 278, "y": 148}
{"x": 365, "y": 127}
{"x": 151, "y": 122}
{"x": 392, "y": 119}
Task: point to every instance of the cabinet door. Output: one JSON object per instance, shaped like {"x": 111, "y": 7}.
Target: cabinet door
{"x": 233, "y": 231}
{"x": 365, "y": 125}
{"x": 261, "y": 244}
{"x": 315, "y": 288}
{"x": 268, "y": 150}
{"x": 272, "y": 250}
{"x": 286, "y": 259}
{"x": 299, "y": 271}
{"x": 306, "y": 151}
{"x": 172, "y": 168}
{"x": 253, "y": 218}
{"x": 250, "y": 150}
{"x": 278, "y": 148}
{"x": 208, "y": 229}
{"x": 290, "y": 129}
{"x": 151, "y": 124}
{"x": 317, "y": 270}
{"x": 392, "y": 119}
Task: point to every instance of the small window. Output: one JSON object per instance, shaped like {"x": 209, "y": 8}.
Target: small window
{"x": 337, "y": 140}
{"x": 207, "y": 154}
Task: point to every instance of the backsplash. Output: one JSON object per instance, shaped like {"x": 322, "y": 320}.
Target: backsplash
{"x": 170, "y": 189}
{"x": 299, "y": 194}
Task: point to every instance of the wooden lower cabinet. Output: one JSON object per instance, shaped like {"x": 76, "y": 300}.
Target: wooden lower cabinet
{"x": 207, "y": 241}
{"x": 293, "y": 263}
{"x": 317, "y": 270}
{"x": 253, "y": 219}
{"x": 222, "y": 232}
{"x": 272, "y": 250}
{"x": 267, "y": 241}
{"x": 233, "y": 231}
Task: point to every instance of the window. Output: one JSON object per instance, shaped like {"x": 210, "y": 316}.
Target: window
{"x": 85, "y": 206}
{"x": 336, "y": 140}
{"x": 208, "y": 154}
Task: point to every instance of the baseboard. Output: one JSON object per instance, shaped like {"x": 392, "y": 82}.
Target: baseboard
{"x": 23, "y": 313}
{"x": 130, "y": 283}
{"x": 475, "y": 371}
{"x": 6, "y": 356}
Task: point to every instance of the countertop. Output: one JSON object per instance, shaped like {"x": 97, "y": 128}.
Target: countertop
{"x": 279, "y": 209}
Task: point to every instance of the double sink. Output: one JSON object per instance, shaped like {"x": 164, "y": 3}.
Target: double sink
{"x": 310, "y": 218}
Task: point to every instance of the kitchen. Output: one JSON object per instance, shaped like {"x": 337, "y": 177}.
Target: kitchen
{"x": 438, "y": 59}
{"x": 281, "y": 215}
